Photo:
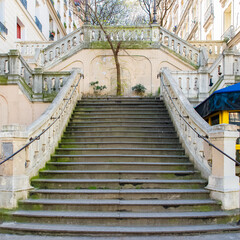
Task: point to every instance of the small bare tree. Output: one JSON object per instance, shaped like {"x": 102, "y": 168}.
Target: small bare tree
{"x": 104, "y": 13}
{"x": 162, "y": 8}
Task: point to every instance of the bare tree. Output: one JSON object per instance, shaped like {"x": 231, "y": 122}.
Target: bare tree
{"x": 162, "y": 8}
{"x": 104, "y": 13}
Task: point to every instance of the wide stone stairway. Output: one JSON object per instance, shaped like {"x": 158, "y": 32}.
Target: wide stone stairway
{"x": 119, "y": 170}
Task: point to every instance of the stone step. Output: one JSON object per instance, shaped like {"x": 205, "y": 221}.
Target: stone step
{"x": 122, "y": 104}
{"x": 119, "y": 166}
{"x": 117, "y": 174}
{"x": 114, "y": 205}
{"x": 110, "y": 231}
{"x": 127, "y": 133}
{"x": 120, "y": 108}
{"x": 127, "y": 194}
{"x": 122, "y": 139}
{"x": 116, "y": 98}
{"x": 120, "y": 119}
{"x": 119, "y": 101}
{"x": 119, "y": 145}
{"x": 142, "y": 124}
{"x": 138, "y": 114}
{"x": 123, "y": 218}
{"x": 118, "y": 158}
{"x": 124, "y": 151}
{"x": 118, "y": 183}
{"x": 123, "y": 127}
{"x": 91, "y": 121}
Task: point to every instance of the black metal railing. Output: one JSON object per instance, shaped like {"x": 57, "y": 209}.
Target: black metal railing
{"x": 31, "y": 140}
{"x": 184, "y": 119}
{"x": 3, "y": 28}
{"x": 38, "y": 23}
{"x": 59, "y": 16}
{"x": 24, "y": 3}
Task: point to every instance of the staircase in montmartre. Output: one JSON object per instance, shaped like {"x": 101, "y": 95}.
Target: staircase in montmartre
{"x": 119, "y": 170}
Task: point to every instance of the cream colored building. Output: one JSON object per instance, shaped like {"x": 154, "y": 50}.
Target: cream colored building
{"x": 205, "y": 19}
{"x": 34, "y": 20}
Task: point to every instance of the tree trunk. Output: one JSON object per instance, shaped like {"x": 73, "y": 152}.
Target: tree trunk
{"x": 119, "y": 84}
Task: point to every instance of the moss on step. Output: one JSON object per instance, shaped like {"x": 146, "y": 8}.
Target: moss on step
{"x": 124, "y": 45}
{"x": 3, "y": 80}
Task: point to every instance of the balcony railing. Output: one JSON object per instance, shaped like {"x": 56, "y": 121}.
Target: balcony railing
{"x": 38, "y": 23}
{"x": 3, "y": 28}
{"x": 59, "y": 16}
{"x": 24, "y": 3}
{"x": 208, "y": 13}
{"x": 229, "y": 33}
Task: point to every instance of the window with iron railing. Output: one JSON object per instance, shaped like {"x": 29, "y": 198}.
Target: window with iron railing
{"x": 59, "y": 16}
{"x": 208, "y": 13}
{"x": 38, "y": 23}
{"x": 24, "y": 3}
{"x": 3, "y": 29}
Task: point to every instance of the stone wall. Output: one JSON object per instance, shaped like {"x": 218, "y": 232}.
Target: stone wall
{"x": 15, "y": 108}
{"x": 138, "y": 66}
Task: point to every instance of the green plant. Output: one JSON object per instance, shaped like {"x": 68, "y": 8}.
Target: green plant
{"x": 139, "y": 89}
{"x": 226, "y": 39}
{"x": 97, "y": 88}
{"x": 65, "y": 25}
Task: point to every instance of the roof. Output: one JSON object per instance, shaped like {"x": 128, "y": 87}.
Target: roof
{"x": 224, "y": 99}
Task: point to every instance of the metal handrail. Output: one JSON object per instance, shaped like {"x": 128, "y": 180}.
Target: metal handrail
{"x": 198, "y": 134}
{"x": 31, "y": 140}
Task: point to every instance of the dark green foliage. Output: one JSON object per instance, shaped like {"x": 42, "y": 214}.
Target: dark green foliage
{"x": 139, "y": 89}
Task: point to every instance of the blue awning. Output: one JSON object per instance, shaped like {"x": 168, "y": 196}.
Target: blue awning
{"x": 224, "y": 99}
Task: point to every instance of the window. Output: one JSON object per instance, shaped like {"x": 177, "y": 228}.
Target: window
{"x": 18, "y": 31}
{"x": 215, "y": 120}
{"x": 238, "y": 150}
{"x": 234, "y": 118}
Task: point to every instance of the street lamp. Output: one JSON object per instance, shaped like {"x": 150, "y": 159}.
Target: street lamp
{"x": 154, "y": 13}
{"x": 86, "y": 12}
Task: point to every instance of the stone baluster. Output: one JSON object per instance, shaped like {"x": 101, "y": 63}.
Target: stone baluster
{"x": 38, "y": 81}
{"x": 14, "y": 62}
{"x": 223, "y": 182}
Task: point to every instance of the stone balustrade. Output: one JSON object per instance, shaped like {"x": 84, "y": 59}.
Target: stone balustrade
{"x": 121, "y": 34}
{"x": 36, "y": 84}
{"x": 28, "y": 49}
{"x": 4, "y": 64}
{"x": 214, "y": 48}
{"x": 83, "y": 37}
{"x": 220, "y": 170}
{"x": 62, "y": 47}
{"x": 15, "y": 174}
{"x": 188, "y": 83}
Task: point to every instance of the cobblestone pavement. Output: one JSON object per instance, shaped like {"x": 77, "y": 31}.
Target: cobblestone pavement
{"x": 227, "y": 236}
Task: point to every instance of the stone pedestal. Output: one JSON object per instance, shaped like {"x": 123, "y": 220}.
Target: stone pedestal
{"x": 223, "y": 182}
{"x": 14, "y": 183}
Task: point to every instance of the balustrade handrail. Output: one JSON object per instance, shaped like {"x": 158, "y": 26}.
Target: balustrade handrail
{"x": 31, "y": 140}
{"x": 198, "y": 134}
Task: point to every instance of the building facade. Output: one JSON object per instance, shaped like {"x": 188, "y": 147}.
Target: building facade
{"x": 205, "y": 19}
{"x": 35, "y": 20}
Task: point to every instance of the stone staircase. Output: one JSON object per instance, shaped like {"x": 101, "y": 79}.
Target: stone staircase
{"x": 119, "y": 170}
